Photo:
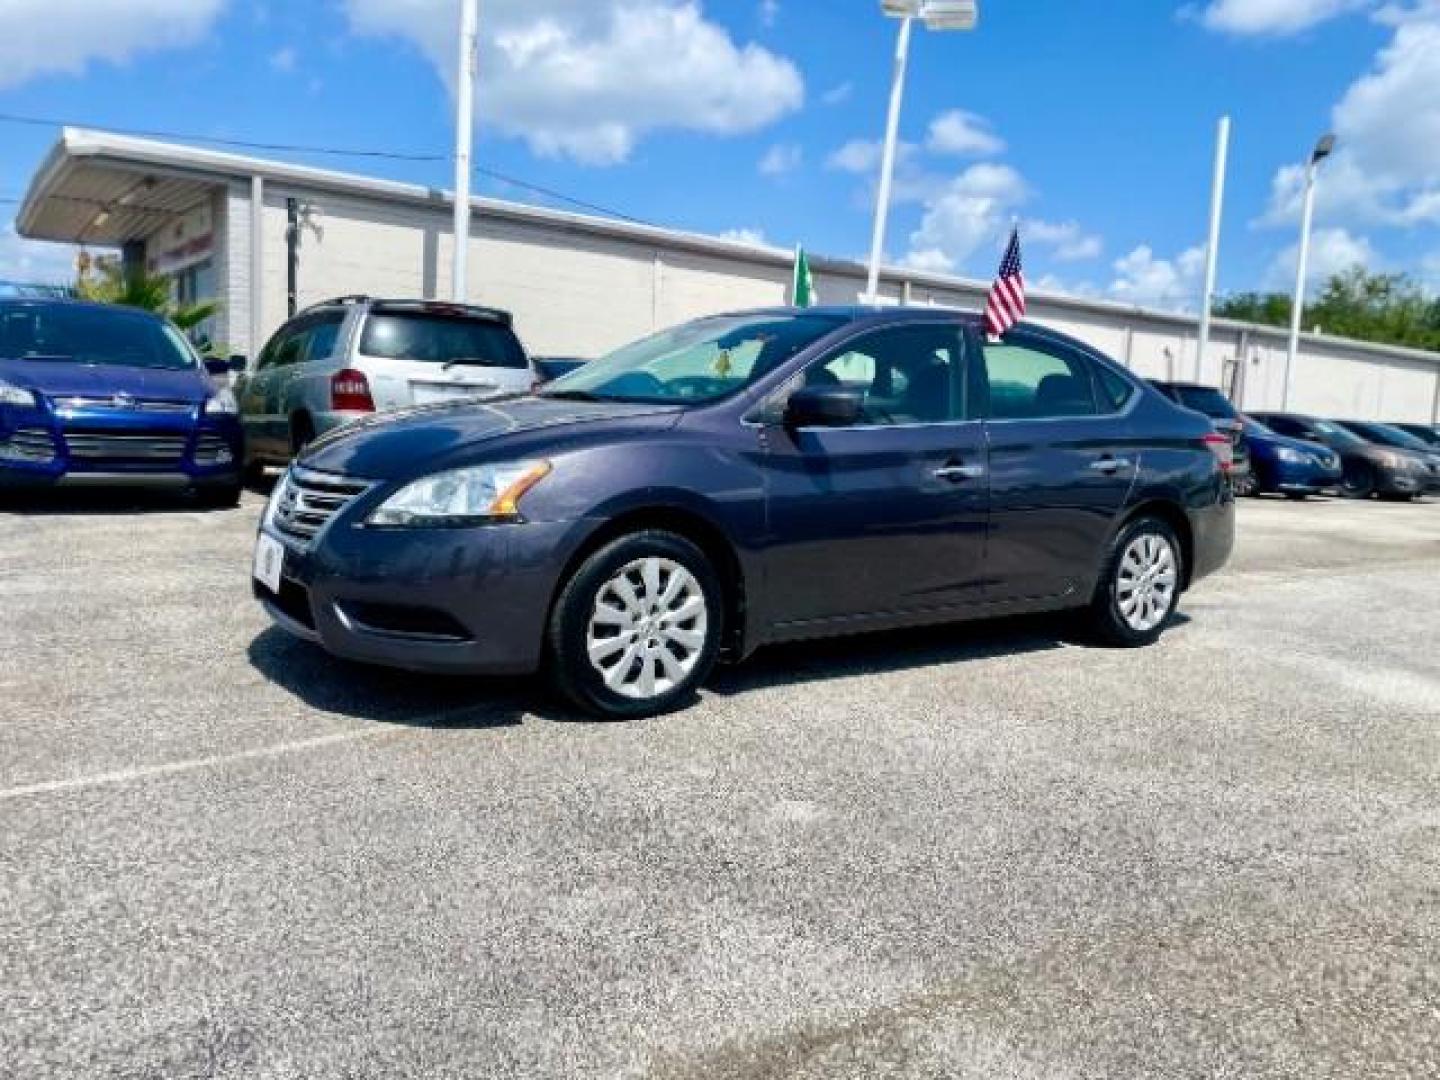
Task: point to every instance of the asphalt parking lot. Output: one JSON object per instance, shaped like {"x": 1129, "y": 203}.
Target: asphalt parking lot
{"x": 978, "y": 852}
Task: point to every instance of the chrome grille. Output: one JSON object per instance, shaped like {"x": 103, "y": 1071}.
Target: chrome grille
{"x": 211, "y": 450}
{"x": 307, "y": 501}
{"x": 117, "y": 447}
{"x": 29, "y": 444}
{"x": 120, "y": 403}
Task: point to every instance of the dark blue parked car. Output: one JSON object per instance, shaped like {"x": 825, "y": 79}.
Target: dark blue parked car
{"x": 1287, "y": 466}
{"x": 741, "y": 480}
{"x": 92, "y": 394}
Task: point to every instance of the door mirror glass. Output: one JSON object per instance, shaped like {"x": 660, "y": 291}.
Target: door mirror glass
{"x": 824, "y": 406}
{"x": 217, "y": 365}
{"x": 237, "y": 363}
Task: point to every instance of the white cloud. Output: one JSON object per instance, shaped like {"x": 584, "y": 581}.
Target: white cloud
{"x": 34, "y": 262}
{"x": 838, "y": 94}
{"x": 856, "y": 156}
{"x": 42, "y": 37}
{"x": 587, "y": 79}
{"x": 1142, "y": 278}
{"x": 1332, "y": 251}
{"x": 769, "y": 12}
{"x": 780, "y": 159}
{"x": 1386, "y": 170}
{"x": 283, "y": 59}
{"x": 1070, "y": 243}
{"x": 971, "y": 211}
{"x": 755, "y": 237}
{"x": 962, "y": 133}
{"x": 1274, "y": 17}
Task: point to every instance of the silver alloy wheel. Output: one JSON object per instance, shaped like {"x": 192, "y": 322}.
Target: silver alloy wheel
{"x": 647, "y": 630}
{"x": 1146, "y": 581}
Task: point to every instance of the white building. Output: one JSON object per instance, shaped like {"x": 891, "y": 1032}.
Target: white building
{"x": 578, "y": 285}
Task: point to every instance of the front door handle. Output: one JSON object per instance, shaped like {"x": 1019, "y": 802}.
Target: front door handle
{"x": 956, "y": 473}
{"x": 1110, "y": 464}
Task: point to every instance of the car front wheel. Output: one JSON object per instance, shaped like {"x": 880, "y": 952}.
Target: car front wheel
{"x": 637, "y": 628}
{"x": 1139, "y": 586}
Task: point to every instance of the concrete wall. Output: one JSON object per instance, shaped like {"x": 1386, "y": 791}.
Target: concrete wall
{"x": 581, "y": 288}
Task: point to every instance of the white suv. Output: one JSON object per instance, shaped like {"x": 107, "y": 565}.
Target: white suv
{"x": 355, "y": 355}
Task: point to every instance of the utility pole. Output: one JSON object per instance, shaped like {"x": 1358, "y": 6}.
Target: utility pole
{"x": 464, "y": 135}
{"x": 1212, "y": 249}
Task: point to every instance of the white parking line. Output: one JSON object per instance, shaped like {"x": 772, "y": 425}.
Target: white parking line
{"x": 123, "y": 776}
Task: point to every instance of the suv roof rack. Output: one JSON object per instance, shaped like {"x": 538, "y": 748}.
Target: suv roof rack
{"x": 350, "y": 298}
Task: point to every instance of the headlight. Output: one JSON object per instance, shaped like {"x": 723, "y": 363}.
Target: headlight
{"x": 276, "y": 494}
{"x": 1395, "y": 461}
{"x": 221, "y": 403}
{"x": 13, "y": 395}
{"x": 473, "y": 496}
{"x": 1290, "y": 456}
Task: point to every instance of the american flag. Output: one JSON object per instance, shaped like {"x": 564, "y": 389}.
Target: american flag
{"x": 1006, "y": 305}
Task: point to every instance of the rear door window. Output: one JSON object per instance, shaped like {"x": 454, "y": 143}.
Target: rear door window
{"x": 1034, "y": 380}
{"x": 440, "y": 338}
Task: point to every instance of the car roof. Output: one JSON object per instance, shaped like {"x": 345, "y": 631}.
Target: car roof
{"x": 121, "y": 310}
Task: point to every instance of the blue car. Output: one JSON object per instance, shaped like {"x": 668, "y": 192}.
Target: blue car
{"x": 742, "y": 480}
{"x": 1287, "y": 466}
{"x": 97, "y": 395}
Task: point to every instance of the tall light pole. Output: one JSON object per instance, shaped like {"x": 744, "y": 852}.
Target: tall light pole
{"x": 936, "y": 15}
{"x": 1323, "y": 149}
{"x": 464, "y": 133}
{"x": 1212, "y": 249}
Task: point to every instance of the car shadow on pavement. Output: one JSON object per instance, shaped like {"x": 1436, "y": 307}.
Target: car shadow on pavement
{"x": 389, "y": 696}
{"x": 901, "y": 650}
{"x": 100, "y": 502}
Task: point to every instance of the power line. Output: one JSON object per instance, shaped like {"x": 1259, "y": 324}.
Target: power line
{"x": 334, "y": 151}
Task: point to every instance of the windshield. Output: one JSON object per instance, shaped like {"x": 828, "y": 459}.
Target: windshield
{"x": 1206, "y": 400}
{"x": 72, "y": 333}
{"x": 696, "y": 362}
{"x": 1390, "y": 436}
{"x": 1335, "y": 434}
{"x": 440, "y": 338}
{"x": 1254, "y": 427}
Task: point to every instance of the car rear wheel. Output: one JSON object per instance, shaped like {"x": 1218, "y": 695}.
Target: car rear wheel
{"x": 1139, "y": 586}
{"x": 1358, "y": 481}
{"x": 637, "y": 628}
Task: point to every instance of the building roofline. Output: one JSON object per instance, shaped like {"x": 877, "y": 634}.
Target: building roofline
{"x": 88, "y": 143}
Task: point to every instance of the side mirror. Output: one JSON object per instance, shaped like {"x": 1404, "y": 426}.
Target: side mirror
{"x": 217, "y": 365}
{"x": 824, "y": 406}
{"x": 237, "y": 363}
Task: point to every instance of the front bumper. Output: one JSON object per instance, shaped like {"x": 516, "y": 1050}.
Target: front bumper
{"x": 1405, "y": 482}
{"x": 460, "y": 601}
{"x": 1301, "y": 478}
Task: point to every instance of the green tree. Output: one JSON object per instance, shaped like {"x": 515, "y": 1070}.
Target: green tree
{"x": 1387, "y": 308}
{"x": 149, "y": 292}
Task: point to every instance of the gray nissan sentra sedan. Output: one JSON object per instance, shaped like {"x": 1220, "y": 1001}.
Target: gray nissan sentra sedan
{"x": 747, "y": 479}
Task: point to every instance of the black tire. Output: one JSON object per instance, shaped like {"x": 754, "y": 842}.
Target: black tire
{"x": 1108, "y": 624}
{"x": 1397, "y": 496}
{"x": 1296, "y": 496}
{"x": 1358, "y": 481}
{"x": 569, "y": 665}
{"x": 302, "y": 434}
{"x": 1249, "y": 485}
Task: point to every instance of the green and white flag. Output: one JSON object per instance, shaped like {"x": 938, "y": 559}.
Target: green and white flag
{"x": 802, "y": 285}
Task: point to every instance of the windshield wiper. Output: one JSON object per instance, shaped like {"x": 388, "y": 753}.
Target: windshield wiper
{"x": 570, "y": 395}
{"x": 56, "y": 358}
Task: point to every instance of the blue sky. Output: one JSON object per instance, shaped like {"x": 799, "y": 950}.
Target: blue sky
{"x": 1092, "y": 123}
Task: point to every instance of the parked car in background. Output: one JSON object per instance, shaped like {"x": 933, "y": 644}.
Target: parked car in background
{"x": 1367, "y": 469}
{"x": 1424, "y": 432}
{"x": 747, "y": 479}
{"x": 1288, "y": 466}
{"x": 1222, "y": 413}
{"x": 1392, "y": 437}
{"x": 353, "y": 356}
{"x": 93, "y": 394}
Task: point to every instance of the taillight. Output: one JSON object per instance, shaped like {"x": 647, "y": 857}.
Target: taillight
{"x": 1223, "y": 449}
{"x": 350, "y": 392}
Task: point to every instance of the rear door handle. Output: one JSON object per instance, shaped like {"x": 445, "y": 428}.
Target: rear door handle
{"x": 1110, "y": 464}
{"x": 956, "y": 473}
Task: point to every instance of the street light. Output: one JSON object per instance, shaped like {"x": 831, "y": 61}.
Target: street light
{"x": 1323, "y": 149}
{"x": 936, "y": 15}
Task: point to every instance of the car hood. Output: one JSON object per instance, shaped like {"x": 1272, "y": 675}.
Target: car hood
{"x": 398, "y": 445}
{"x": 1303, "y": 445}
{"x": 57, "y": 378}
